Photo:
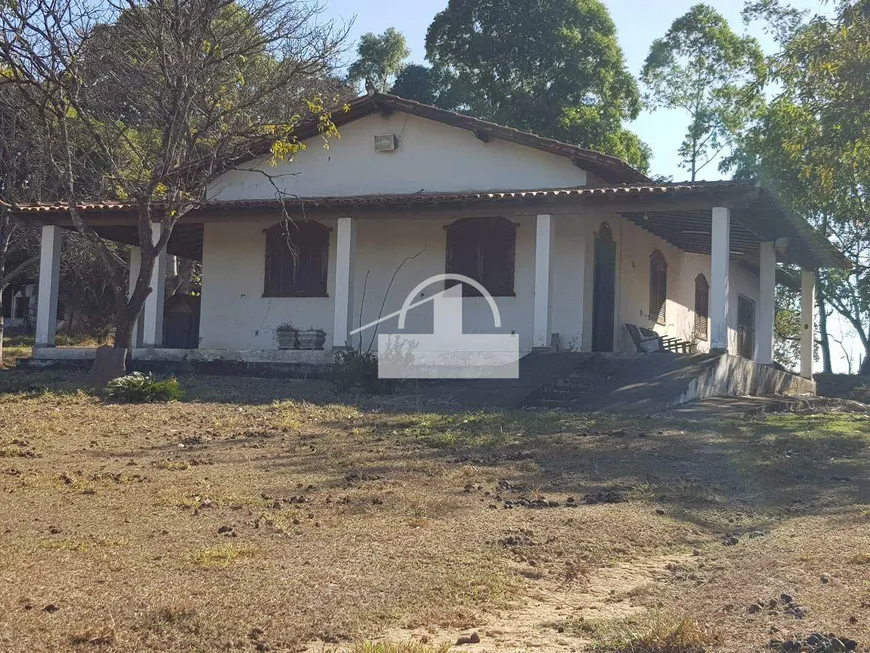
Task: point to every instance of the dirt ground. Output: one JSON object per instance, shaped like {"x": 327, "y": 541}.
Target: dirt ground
{"x": 264, "y": 515}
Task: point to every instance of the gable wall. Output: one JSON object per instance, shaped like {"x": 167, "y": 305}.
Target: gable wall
{"x": 431, "y": 157}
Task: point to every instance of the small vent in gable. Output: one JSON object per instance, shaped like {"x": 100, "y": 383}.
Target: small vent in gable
{"x": 386, "y": 143}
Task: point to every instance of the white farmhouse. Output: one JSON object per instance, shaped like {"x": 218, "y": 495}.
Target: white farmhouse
{"x": 574, "y": 245}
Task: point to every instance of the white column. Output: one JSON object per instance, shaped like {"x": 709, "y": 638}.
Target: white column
{"x": 766, "y": 302}
{"x": 808, "y": 322}
{"x": 543, "y": 280}
{"x": 720, "y": 255}
{"x": 135, "y": 267}
{"x": 345, "y": 250}
{"x": 152, "y": 315}
{"x": 49, "y": 280}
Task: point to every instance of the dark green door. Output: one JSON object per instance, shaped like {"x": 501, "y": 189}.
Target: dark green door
{"x": 604, "y": 290}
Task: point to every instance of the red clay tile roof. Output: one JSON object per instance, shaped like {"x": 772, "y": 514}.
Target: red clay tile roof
{"x": 683, "y": 188}
{"x": 810, "y": 249}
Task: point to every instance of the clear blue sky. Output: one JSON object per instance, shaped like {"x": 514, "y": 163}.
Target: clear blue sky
{"x": 638, "y": 23}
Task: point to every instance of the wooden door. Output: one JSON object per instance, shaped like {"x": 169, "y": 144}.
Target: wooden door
{"x": 604, "y": 290}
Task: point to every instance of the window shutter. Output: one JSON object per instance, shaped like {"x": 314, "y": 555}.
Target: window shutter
{"x": 296, "y": 260}
{"x": 658, "y": 287}
{"x": 483, "y": 249}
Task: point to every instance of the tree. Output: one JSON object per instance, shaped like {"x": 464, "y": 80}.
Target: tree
{"x": 703, "y": 68}
{"x": 552, "y": 67}
{"x": 416, "y": 82}
{"x": 160, "y": 98}
{"x": 21, "y": 178}
{"x": 380, "y": 59}
{"x": 787, "y": 328}
{"x": 811, "y": 142}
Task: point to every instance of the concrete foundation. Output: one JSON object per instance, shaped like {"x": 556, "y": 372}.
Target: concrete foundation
{"x": 250, "y": 362}
{"x": 583, "y": 382}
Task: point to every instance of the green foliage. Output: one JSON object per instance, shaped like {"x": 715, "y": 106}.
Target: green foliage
{"x": 812, "y": 142}
{"x": 787, "y": 328}
{"x": 553, "y": 67}
{"x": 138, "y": 388}
{"x": 359, "y": 369}
{"x": 416, "y": 82}
{"x": 380, "y": 58}
{"x": 703, "y": 68}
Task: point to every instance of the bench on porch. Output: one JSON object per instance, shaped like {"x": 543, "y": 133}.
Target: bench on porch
{"x": 647, "y": 341}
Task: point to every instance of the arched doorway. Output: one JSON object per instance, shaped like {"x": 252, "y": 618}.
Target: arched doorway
{"x": 604, "y": 290}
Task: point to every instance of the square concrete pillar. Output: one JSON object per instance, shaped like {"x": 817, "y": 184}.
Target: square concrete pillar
{"x": 345, "y": 255}
{"x": 152, "y": 314}
{"x": 49, "y": 282}
{"x": 766, "y": 302}
{"x": 543, "y": 281}
{"x": 720, "y": 257}
{"x": 808, "y": 322}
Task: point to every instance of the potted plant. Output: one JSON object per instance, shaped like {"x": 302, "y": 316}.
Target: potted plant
{"x": 311, "y": 338}
{"x": 287, "y": 336}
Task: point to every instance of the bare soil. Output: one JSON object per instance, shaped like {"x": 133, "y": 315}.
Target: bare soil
{"x": 262, "y": 515}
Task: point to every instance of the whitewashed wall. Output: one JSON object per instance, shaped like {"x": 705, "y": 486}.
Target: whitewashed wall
{"x": 431, "y": 157}
{"x": 235, "y": 315}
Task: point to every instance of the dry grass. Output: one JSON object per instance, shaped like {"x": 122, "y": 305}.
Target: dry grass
{"x": 664, "y": 636}
{"x": 266, "y": 515}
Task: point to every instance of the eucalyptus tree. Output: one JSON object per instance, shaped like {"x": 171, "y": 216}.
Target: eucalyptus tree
{"x": 703, "y": 68}
{"x": 380, "y": 59}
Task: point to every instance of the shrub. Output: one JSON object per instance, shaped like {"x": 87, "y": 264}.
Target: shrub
{"x": 138, "y": 388}
{"x": 359, "y": 369}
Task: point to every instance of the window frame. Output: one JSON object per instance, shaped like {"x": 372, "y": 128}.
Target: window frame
{"x": 658, "y": 287}
{"x": 496, "y": 233}
{"x": 304, "y": 235}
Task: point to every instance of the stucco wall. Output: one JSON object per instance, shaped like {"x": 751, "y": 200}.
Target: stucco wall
{"x": 235, "y": 315}
{"x": 634, "y": 246}
{"x": 431, "y": 157}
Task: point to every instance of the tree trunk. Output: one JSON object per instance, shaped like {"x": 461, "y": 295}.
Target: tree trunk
{"x": 2, "y": 328}
{"x": 124, "y": 331}
{"x": 824, "y": 340}
{"x": 864, "y": 370}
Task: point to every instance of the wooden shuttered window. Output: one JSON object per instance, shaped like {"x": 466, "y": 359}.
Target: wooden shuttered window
{"x": 702, "y": 307}
{"x": 297, "y": 258}
{"x": 658, "y": 287}
{"x": 483, "y": 249}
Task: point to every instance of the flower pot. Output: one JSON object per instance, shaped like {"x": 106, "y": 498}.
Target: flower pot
{"x": 287, "y": 338}
{"x": 311, "y": 339}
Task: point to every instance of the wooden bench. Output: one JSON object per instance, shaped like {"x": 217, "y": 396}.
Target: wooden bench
{"x": 648, "y": 341}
